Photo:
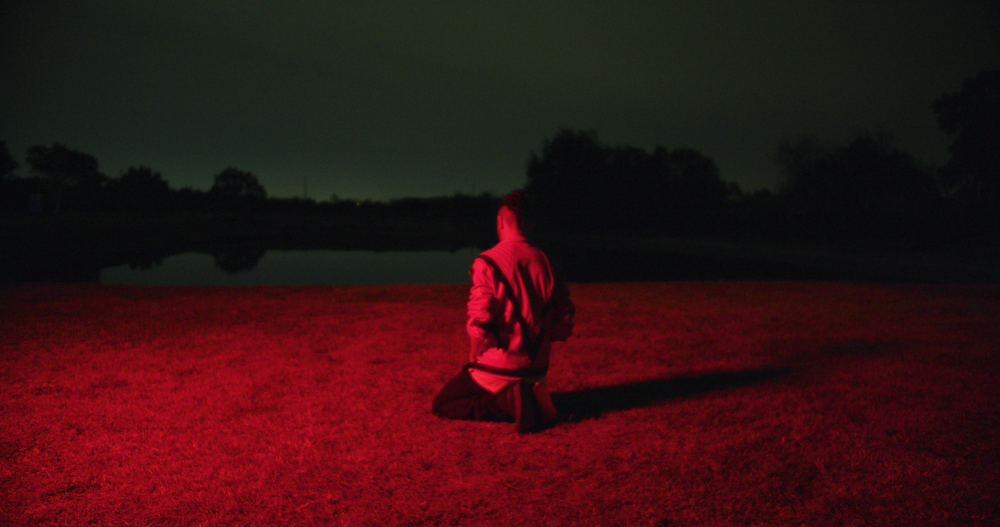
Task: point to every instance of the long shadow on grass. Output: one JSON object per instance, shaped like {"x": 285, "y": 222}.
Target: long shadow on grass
{"x": 592, "y": 402}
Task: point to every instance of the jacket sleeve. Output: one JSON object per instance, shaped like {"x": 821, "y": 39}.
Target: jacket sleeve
{"x": 563, "y": 312}
{"x": 483, "y": 310}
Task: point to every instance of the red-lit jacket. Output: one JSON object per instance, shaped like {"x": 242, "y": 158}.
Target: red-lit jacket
{"x": 504, "y": 343}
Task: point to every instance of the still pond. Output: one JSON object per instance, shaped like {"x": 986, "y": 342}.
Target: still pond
{"x": 303, "y": 268}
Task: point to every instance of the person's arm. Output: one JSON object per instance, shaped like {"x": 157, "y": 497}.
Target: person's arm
{"x": 482, "y": 309}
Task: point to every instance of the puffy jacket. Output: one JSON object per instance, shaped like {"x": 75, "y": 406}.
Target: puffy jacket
{"x": 517, "y": 308}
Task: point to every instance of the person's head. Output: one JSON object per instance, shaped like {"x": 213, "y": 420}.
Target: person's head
{"x": 513, "y": 216}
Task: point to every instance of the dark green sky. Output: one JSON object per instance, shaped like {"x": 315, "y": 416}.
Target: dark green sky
{"x": 431, "y": 98}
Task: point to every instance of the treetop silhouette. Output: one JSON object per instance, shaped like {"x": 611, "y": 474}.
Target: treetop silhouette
{"x": 578, "y": 182}
{"x": 971, "y": 117}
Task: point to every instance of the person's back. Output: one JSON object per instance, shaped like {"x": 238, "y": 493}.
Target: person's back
{"x": 516, "y": 307}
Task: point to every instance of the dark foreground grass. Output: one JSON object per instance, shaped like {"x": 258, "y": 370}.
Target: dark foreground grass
{"x": 682, "y": 404}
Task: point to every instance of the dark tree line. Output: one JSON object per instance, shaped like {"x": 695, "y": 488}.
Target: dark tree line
{"x": 65, "y": 179}
{"x": 579, "y": 183}
{"x": 869, "y": 188}
{"x": 971, "y": 117}
{"x": 238, "y": 206}
{"x": 865, "y": 188}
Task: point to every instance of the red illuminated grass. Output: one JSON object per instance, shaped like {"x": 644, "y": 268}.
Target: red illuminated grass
{"x": 683, "y": 404}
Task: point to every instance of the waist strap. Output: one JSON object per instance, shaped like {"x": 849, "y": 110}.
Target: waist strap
{"x": 523, "y": 373}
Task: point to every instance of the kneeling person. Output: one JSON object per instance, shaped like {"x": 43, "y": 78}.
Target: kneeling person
{"x": 517, "y": 308}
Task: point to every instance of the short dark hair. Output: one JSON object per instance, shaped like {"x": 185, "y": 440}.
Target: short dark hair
{"x": 517, "y": 203}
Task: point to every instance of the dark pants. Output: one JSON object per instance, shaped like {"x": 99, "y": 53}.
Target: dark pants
{"x": 462, "y": 398}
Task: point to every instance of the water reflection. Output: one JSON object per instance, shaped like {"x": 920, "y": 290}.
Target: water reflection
{"x": 300, "y": 268}
{"x": 238, "y": 258}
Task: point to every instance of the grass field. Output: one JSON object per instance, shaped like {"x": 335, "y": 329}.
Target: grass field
{"x": 682, "y": 404}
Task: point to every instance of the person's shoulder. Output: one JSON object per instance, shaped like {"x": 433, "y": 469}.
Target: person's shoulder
{"x": 490, "y": 257}
{"x": 492, "y": 252}
{"x": 532, "y": 248}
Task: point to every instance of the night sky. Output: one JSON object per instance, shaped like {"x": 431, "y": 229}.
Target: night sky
{"x": 402, "y": 98}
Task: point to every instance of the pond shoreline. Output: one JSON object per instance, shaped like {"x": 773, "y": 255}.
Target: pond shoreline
{"x": 75, "y": 248}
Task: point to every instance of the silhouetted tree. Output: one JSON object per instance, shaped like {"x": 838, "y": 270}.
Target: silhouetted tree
{"x": 7, "y": 163}
{"x": 233, "y": 182}
{"x": 972, "y": 118}
{"x": 187, "y": 199}
{"x": 67, "y": 172}
{"x": 17, "y": 194}
{"x": 652, "y": 188}
{"x": 140, "y": 188}
{"x": 698, "y": 178}
{"x": 568, "y": 178}
{"x": 235, "y": 187}
{"x": 580, "y": 183}
{"x": 238, "y": 258}
{"x": 866, "y": 185}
